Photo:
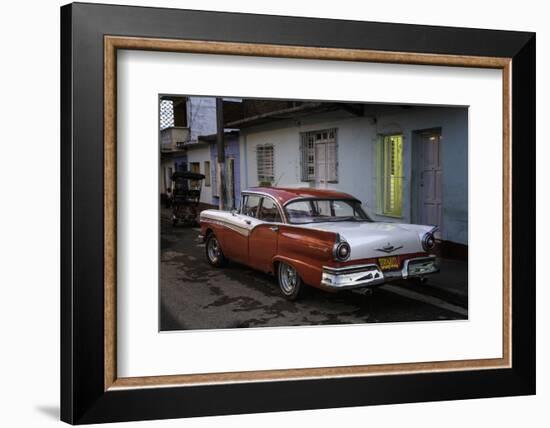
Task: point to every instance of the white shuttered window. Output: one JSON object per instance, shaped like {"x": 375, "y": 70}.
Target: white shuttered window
{"x": 265, "y": 163}
{"x": 319, "y": 156}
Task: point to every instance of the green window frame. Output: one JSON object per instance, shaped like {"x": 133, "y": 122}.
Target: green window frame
{"x": 390, "y": 168}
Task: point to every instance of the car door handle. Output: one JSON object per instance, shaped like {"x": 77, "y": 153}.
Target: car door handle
{"x": 274, "y": 228}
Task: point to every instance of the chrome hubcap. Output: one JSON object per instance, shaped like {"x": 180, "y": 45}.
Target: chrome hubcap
{"x": 213, "y": 249}
{"x": 288, "y": 278}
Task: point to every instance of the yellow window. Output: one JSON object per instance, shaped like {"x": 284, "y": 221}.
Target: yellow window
{"x": 391, "y": 175}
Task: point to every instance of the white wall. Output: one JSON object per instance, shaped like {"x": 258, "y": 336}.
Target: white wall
{"x": 357, "y": 169}
{"x": 201, "y": 153}
{"x": 31, "y": 294}
{"x": 356, "y": 138}
{"x": 164, "y": 164}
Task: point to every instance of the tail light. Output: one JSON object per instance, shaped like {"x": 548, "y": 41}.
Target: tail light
{"x": 428, "y": 241}
{"x": 341, "y": 250}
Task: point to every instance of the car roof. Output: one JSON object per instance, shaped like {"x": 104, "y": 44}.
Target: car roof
{"x": 285, "y": 194}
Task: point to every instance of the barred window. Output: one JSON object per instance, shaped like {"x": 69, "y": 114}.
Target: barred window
{"x": 319, "y": 156}
{"x": 264, "y": 163}
{"x": 166, "y": 114}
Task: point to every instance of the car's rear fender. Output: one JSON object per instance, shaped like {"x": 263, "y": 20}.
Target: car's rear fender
{"x": 307, "y": 250}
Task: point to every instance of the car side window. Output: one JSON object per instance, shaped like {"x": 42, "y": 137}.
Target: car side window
{"x": 269, "y": 211}
{"x": 251, "y": 206}
{"x": 342, "y": 209}
{"x": 300, "y": 212}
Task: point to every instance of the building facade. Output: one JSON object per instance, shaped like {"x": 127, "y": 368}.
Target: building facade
{"x": 183, "y": 120}
{"x": 202, "y": 157}
{"x": 405, "y": 163}
{"x": 188, "y": 143}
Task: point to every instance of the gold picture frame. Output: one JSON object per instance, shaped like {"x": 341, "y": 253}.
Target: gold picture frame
{"x": 114, "y": 43}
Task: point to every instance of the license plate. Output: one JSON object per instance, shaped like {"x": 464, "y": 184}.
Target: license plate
{"x": 388, "y": 263}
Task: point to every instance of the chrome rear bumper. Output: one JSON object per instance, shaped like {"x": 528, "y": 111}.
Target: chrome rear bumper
{"x": 356, "y": 276}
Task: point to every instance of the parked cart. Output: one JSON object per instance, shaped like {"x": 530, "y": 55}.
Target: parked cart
{"x": 186, "y": 194}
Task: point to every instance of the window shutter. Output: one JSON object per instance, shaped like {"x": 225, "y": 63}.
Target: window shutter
{"x": 332, "y": 161}
{"x": 310, "y": 141}
{"x": 303, "y": 157}
{"x": 391, "y": 165}
{"x": 265, "y": 163}
{"x": 307, "y": 156}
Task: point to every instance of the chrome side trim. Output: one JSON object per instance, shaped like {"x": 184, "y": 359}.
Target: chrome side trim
{"x": 241, "y": 230}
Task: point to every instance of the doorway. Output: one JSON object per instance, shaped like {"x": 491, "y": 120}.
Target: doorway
{"x": 427, "y": 194}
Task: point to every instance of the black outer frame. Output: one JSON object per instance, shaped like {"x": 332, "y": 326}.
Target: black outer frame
{"x": 83, "y": 399}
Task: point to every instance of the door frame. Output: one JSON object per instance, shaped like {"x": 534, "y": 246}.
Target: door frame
{"x": 416, "y": 163}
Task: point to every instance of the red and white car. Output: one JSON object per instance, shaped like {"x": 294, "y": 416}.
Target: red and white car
{"x": 320, "y": 238}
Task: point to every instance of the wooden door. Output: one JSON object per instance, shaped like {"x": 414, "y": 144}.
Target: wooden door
{"x": 430, "y": 208}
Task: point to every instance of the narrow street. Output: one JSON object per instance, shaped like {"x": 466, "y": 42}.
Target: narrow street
{"x": 194, "y": 295}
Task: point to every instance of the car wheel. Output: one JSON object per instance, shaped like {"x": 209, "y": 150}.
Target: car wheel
{"x": 214, "y": 252}
{"x": 290, "y": 283}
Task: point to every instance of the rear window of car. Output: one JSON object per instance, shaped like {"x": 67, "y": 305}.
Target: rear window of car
{"x": 322, "y": 210}
{"x": 299, "y": 212}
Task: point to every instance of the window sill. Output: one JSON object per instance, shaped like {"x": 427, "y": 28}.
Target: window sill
{"x": 400, "y": 217}
{"x": 315, "y": 182}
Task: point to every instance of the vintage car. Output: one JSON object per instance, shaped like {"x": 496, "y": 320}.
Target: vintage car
{"x": 315, "y": 237}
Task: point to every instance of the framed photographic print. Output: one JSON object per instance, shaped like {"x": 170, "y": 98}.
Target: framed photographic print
{"x": 266, "y": 213}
